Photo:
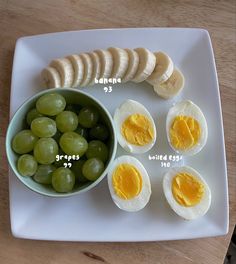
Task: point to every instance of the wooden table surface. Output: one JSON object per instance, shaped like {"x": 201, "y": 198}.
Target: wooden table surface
{"x": 26, "y": 17}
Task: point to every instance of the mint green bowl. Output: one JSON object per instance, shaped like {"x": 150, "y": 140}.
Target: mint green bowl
{"x": 17, "y": 123}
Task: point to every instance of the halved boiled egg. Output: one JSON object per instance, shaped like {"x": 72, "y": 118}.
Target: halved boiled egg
{"x": 136, "y": 131}
{"x": 129, "y": 184}
{"x": 186, "y": 192}
{"x": 186, "y": 128}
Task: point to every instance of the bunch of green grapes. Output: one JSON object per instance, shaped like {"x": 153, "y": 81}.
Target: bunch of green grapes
{"x": 56, "y": 128}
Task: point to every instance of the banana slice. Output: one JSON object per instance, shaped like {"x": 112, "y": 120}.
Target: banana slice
{"x": 88, "y": 69}
{"x": 106, "y": 62}
{"x": 163, "y": 70}
{"x": 96, "y": 67}
{"x": 172, "y": 86}
{"x": 120, "y": 62}
{"x": 51, "y": 78}
{"x": 147, "y": 63}
{"x": 133, "y": 65}
{"x": 66, "y": 71}
{"x": 78, "y": 67}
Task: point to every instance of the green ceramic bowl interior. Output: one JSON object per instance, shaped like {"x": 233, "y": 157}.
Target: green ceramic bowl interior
{"x": 18, "y": 123}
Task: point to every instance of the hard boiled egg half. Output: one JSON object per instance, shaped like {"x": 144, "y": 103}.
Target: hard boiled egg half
{"x": 186, "y": 192}
{"x": 129, "y": 184}
{"x": 136, "y": 131}
{"x": 186, "y": 128}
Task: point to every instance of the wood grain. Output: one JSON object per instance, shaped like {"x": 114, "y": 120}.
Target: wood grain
{"x": 26, "y": 17}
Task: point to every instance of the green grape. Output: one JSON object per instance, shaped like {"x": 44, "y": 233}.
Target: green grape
{"x": 88, "y": 116}
{"x": 73, "y": 144}
{"x": 32, "y": 114}
{"x": 67, "y": 121}
{"x": 27, "y": 165}
{"x": 92, "y": 169}
{"x": 44, "y": 174}
{"x": 97, "y": 149}
{"x": 99, "y": 132}
{"x": 24, "y": 141}
{"x": 51, "y": 104}
{"x": 63, "y": 180}
{"x": 77, "y": 169}
{"x": 45, "y": 150}
{"x": 82, "y": 131}
{"x": 73, "y": 108}
{"x": 43, "y": 127}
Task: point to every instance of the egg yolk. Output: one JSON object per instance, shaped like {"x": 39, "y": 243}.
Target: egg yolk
{"x": 187, "y": 189}
{"x": 127, "y": 181}
{"x": 185, "y": 132}
{"x": 138, "y": 130}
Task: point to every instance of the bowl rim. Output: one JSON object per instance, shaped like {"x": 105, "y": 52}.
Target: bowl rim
{"x": 8, "y": 143}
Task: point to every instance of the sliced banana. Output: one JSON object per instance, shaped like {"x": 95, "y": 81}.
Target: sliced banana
{"x": 106, "y": 62}
{"x": 88, "y": 69}
{"x": 120, "y": 62}
{"x": 78, "y": 67}
{"x": 96, "y": 67}
{"x": 51, "y": 78}
{"x": 133, "y": 65}
{"x": 65, "y": 69}
{"x": 172, "y": 86}
{"x": 147, "y": 63}
{"x": 163, "y": 70}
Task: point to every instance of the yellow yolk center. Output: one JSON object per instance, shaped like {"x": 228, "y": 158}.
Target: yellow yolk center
{"x": 187, "y": 189}
{"x": 127, "y": 181}
{"x": 137, "y": 129}
{"x": 185, "y": 132}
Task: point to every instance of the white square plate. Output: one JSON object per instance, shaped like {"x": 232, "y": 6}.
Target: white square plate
{"x": 92, "y": 216}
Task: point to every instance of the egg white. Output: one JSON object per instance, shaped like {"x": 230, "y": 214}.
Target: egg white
{"x": 138, "y": 202}
{"x": 127, "y": 108}
{"x": 187, "y": 213}
{"x": 188, "y": 108}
